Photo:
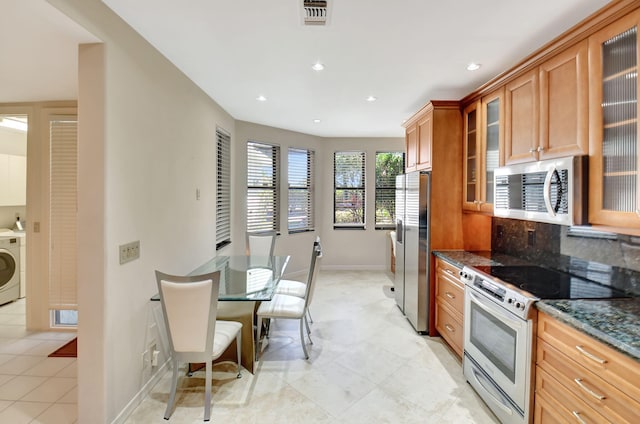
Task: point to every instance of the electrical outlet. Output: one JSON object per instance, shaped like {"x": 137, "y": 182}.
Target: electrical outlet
{"x": 129, "y": 251}
{"x": 531, "y": 238}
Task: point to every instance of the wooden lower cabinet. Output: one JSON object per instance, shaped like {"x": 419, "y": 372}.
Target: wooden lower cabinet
{"x": 579, "y": 378}
{"x": 449, "y": 304}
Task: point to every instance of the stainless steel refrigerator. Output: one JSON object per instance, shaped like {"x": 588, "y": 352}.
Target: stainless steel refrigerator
{"x": 411, "y": 286}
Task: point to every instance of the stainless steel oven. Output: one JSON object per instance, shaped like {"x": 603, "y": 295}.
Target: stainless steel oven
{"x": 498, "y": 346}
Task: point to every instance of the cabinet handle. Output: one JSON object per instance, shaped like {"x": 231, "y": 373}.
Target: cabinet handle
{"x": 449, "y": 328}
{"x": 449, "y": 295}
{"x": 448, "y": 271}
{"x": 638, "y": 212}
{"x": 590, "y": 355}
{"x": 540, "y": 149}
{"x": 588, "y": 390}
{"x": 577, "y": 415}
{"x": 532, "y": 150}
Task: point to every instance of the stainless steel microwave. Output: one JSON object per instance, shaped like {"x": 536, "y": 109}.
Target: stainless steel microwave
{"x": 553, "y": 191}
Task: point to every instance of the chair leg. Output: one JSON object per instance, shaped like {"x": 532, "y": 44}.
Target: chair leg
{"x": 306, "y": 322}
{"x": 239, "y": 348}
{"x": 258, "y": 331}
{"x": 309, "y": 315}
{"x": 304, "y": 345}
{"x": 172, "y": 394}
{"x": 207, "y": 390}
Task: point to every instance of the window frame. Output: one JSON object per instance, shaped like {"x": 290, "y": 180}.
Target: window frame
{"x": 308, "y": 188}
{"x": 391, "y": 188}
{"x": 223, "y": 188}
{"x": 361, "y": 188}
{"x": 274, "y": 176}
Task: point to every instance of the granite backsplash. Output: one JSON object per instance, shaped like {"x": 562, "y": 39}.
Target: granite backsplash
{"x": 607, "y": 258}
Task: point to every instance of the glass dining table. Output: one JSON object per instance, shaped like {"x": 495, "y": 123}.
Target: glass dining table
{"x": 244, "y": 280}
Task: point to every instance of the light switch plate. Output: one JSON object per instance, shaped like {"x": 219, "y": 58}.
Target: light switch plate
{"x": 129, "y": 252}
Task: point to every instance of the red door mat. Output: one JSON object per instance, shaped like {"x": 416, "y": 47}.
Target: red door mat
{"x": 69, "y": 350}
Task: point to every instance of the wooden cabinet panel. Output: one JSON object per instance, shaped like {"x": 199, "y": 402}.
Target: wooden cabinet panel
{"x": 522, "y": 118}
{"x": 614, "y": 367}
{"x": 564, "y": 82}
{"x": 412, "y": 148}
{"x": 449, "y": 304}
{"x": 471, "y": 157}
{"x": 425, "y": 140}
{"x": 555, "y": 404}
{"x": 449, "y": 327}
{"x": 614, "y": 182}
{"x": 585, "y": 385}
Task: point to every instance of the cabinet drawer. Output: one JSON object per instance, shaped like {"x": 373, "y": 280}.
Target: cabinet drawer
{"x": 614, "y": 367}
{"x": 449, "y": 325}
{"x": 451, "y": 270}
{"x": 587, "y": 386}
{"x": 450, "y": 291}
{"x": 554, "y": 403}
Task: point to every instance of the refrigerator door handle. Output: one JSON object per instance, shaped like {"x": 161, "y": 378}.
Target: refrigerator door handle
{"x": 399, "y": 231}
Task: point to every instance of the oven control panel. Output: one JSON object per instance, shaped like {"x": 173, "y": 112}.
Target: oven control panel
{"x": 498, "y": 291}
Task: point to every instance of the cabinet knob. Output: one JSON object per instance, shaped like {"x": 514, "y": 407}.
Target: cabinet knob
{"x": 540, "y": 149}
{"x": 532, "y": 150}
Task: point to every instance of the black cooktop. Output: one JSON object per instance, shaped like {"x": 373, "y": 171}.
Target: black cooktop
{"x": 549, "y": 284}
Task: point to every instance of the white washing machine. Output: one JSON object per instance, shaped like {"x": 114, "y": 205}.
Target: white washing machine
{"x": 9, "y": 269}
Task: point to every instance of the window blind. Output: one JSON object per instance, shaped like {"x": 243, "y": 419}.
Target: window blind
{"x": 300, "y": 216}
{"x": 263, "y": 181}
{"x": 63, "y": 188}
{"x": 223, "y": 188}
{"x": 388, "y": 166}
{"x": 349, "y": 190}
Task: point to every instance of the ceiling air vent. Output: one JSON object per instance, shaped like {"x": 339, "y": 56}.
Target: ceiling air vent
{"x": 315, "y": 12}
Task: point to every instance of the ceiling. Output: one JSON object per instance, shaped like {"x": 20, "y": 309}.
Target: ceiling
{"x": 403, "y": 52}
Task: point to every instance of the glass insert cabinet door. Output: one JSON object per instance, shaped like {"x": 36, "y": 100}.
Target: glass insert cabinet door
{"x": 614, "y": 187}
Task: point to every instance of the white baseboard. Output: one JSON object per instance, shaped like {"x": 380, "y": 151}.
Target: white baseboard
{"x": 353, "y": 268}
{"x": 141, "y": 395}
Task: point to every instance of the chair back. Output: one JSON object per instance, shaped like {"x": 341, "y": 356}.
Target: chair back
{"x": 314, "y": 266}
{"x": 189, "y": 306}
{"x": 260, "y": 247}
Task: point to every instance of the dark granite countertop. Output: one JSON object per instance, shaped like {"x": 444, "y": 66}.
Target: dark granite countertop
{"x": 615, "y": 322}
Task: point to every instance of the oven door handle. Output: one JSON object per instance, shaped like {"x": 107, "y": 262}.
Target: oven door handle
{"x": 546, "y": 194}
{"x": 495, "y": 311}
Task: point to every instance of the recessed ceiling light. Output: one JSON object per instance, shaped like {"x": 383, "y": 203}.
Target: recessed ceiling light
{"x": 261, "y": 98}
{"x": 317, "y": 66}
{"x": 316, "y": 121}
{"x": 372, "y": 99}
{"x": 473, "y": 66}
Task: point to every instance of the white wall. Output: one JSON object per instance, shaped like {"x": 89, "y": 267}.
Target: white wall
{"x": 149, "y": 145}
{"x": 355, "y": 249}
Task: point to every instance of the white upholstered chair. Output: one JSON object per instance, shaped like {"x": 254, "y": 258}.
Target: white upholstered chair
{"x": 283, "y": 306}
{"x": 189, "y": 305}
{"x": 294, "y": 287}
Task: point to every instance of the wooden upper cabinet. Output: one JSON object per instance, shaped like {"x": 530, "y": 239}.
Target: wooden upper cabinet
{"x": 425, "y": 136}
{"x": 492, "y": 142}
{"x": 564, "y": 115}
{"x": 471, "y": 157}
{"x": 522, "y": 118}
{"x": 412, "y": 148}
{"x": 614, "y": 185}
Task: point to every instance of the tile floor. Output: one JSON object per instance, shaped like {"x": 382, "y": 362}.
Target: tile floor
{"x": 33, "y": 387}
{"x": 367, "y": 365}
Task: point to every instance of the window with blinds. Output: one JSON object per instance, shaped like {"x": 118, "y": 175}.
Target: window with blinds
{"x": 349, "y": 190}
{"x": 388, "y": 165}
{"x": 223, "y": 188}
{"x": 300, "y": 216}
{"x": 263, "y": 181}
{"x": 63, "y": 188}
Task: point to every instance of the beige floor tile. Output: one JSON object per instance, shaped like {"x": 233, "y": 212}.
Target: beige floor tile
{"x": 20, "y": 346}
{"x": 70, "y": 397}
{"x": 58, "y": 414}
{"x": 51, "y": 390}
{"x": 49, "y": 367}
{"x": 19, "y": 386}
{"x": 20, "y": 364}
{"x": 22, "y": 412}
{"x": 71, "y": 370}
{"x": 4, "y": 404}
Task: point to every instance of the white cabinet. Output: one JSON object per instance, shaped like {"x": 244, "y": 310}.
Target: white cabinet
{"x": 13, "y": 180}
